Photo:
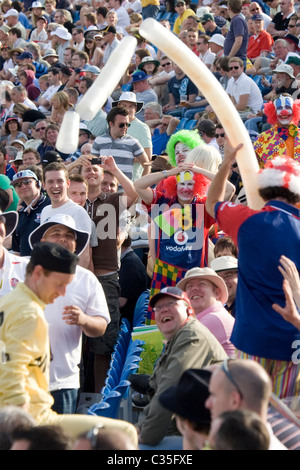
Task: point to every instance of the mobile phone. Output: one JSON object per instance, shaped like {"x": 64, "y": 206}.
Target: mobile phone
{"x": 96, "y": 161}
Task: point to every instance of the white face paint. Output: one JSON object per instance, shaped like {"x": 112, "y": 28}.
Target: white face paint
{"x": 181, "y": 152}
{"x": 284, "y": 110}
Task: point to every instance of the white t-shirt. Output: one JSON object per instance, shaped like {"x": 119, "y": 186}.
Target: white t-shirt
{"x": 246, "y": 86}
{"x": 47, "y": 95}
{"x": 86, "y": 292}
{"x": 12, "y": 272}
{"x": 80, "y": 215}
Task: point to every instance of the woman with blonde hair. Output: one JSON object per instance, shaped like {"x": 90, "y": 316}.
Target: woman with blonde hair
{"x": 205, "y": 156}
{"x": 60, "y": 104}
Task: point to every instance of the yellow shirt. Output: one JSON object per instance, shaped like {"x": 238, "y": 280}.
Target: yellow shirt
{"x": 145, "y": 3}
{"x": 180, "y": 19}
{"x": 24, "y": 344}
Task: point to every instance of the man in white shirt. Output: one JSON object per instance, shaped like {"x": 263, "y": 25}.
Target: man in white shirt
{"x": 204, "y": 51}
{"x": 83, "y": 309}
{"x": 242, "y": 90}
{"x": 12, "y": 20}
{"x": 19, "y": 95}
{"x": 12, "y": 267}
{"x": 123, "y": 17}
{"x": 56, "y": 185}
{"x": 55, "y": 83}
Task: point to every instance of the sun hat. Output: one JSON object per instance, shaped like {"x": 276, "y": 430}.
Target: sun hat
{"x": 218, "y": 39}
{"x": 224, "y": 263}
{"x": 62, "y": 33}
{"x": 148, "y": 60}
{"x": 285, "y": 68}
{"x": 82, "y": 237}
{"x": 36, "y": 5}
{"x": 131, "y": 97}
{"x": 11, "y": 219}
{"x": 208, "y": 274}
{"x": 187, "y": 398}
{"x": 50, "y": 53}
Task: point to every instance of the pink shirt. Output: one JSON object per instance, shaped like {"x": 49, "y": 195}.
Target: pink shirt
{"x": 220, "y": 323}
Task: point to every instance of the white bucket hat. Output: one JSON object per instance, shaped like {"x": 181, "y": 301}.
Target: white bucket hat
{"x": 62, "y": 33}
{"x": 224, "y": 263}
{"x": 208, "y": 274}
{"x": 218, "y": 39}
{"x": 131, "y": 97}
{"x": 82, "y": 238}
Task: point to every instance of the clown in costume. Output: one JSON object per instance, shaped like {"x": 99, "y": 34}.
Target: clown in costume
{"x": 181, "y": 223}
{"x": 262, "y": 237}
{"x": 283, "y": 138}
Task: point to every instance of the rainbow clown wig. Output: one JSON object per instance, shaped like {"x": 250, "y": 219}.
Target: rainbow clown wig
{"x": 190, "y": 138}
{"x": 200, "y": 187}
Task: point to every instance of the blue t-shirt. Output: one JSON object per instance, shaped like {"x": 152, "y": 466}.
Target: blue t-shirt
{"x": 238, "y": 27}
{"x": 262, "y": 237}
{"x": 183, "y": 86}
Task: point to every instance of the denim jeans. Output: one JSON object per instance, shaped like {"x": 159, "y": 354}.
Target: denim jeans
{"x": 65, "y": 401}
{"x": 150, "y": 11}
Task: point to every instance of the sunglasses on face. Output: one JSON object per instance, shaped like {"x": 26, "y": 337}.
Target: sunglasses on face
{"x": 124, "y": 124}
{"x": 236, "y": 67}
{"x": 254, "y": 9}
{"x": 41, "y": 129}
{"x": 220, "y": 135}
{"x": 26, "y": 183}
{"x": 167, "y": 63}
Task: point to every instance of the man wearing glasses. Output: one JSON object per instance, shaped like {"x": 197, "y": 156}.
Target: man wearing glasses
{"x": 118, "y": 143}
{"x": 242, "y": 90}
{"x": 188, "y": 345}
{"x": 241, "y": 384}
{"x": 279, "y": 24}
{"x": 78, "y": 38}
{"x": 227, "y": 268}
{"x": 28, "y": 187}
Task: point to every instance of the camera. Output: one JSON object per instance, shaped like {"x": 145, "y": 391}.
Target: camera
{"x": 96, "y": 161}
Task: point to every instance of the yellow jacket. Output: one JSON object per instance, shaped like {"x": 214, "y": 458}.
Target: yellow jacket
{"x": 24, "y": 344}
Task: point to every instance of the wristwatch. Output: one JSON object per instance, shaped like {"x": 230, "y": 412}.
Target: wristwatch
{"x": 165, "y": 173}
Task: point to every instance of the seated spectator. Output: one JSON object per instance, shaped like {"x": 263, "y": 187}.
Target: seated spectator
{"x": 162, "y": 129}
{"x": 279, "y": 24}
{"x": 60, "y": 104}
{"x": 181, "y": 91}
{"x": 224, "y": 246}
{"x": 186, "y": 400}
{"x": 226, "y": 267}
{"x": 13, "y": 418}
{"x": 239, "y": 430}
{"x": 160, "y": 81}
{"x": 241, "y": 384}
{"x": 204, "y": 52}
{"x": 209, "y": 25}
{"x": 189, "y": 344}
{"x": 183, "y": 13}
{"x": 41, "y": 438}
{"x": 143, "y": 91}
{"x": 207, "y": 132}
{"x": 208, "y": 294}
{"x": 242, "y": 90}
{"x": 26, "y": 78}
{"x": 5, "y": 168}
{"x": 31, "y": 157}
{"x": 260, "y": 43}
{"x": 216, "y": 44}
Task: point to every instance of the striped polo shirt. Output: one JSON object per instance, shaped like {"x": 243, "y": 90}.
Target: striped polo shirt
{"x": 124, "y": 150}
